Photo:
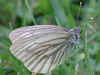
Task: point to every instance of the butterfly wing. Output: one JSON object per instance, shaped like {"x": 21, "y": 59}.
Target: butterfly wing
{"x": 39, "y": 47}
{"x": 34, "y": 30}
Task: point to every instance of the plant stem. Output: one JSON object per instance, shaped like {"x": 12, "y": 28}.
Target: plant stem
{"x": 86, "y": 51}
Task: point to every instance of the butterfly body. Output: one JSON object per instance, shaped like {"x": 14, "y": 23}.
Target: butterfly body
{"x": 41, "y": 47}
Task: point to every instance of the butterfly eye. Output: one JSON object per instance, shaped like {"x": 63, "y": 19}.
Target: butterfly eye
{"x": 76, "y": 37}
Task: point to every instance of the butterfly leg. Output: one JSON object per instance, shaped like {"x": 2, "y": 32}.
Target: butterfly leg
{"x": 34, "y": 73}
{"x": 49, "y": 73}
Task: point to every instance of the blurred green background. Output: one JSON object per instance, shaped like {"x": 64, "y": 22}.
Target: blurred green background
{"x": 66, "y": 13}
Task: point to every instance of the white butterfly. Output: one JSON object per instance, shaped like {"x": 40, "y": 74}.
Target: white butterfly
{"x": 42, "y": 47}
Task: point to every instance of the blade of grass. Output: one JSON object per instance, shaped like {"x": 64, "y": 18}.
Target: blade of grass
{"x": 59, "y": 13}
{"x": 30, "y": 10}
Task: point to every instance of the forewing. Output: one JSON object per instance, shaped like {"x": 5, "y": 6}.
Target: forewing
{"x": 39, "y": 47}
{"x": 30, "y": 31}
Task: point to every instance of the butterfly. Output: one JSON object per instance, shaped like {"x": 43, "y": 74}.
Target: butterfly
{"x": 42, "y": 47}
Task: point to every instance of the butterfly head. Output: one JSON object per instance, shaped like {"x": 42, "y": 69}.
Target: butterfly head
{"x": 75, "y": 35}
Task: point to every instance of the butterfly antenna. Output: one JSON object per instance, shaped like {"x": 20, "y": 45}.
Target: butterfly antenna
{"x": 35, "y": 73}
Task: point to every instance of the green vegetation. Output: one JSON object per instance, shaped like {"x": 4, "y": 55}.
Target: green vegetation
{"x": 66, "y": 13}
